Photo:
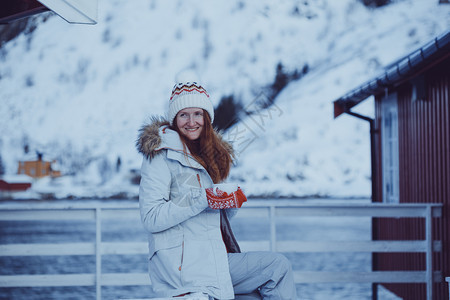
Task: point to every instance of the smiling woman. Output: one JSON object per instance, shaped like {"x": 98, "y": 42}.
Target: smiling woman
{"x": 192, "y": 248}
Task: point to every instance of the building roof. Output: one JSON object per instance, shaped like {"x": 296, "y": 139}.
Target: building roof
{"x": 396, "y": 73}
{"x": 17, "y": 178}
{"x": 14, "y": 10}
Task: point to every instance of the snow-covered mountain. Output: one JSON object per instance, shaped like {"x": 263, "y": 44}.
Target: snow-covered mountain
{"x": 79, "y": 93}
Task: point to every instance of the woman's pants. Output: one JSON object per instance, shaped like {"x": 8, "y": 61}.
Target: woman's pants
{"x": 261, "y": 275}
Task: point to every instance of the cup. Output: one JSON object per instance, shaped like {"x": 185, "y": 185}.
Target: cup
{"x": 226, "y": 187}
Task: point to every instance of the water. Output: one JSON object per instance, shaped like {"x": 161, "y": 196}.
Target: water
{"x": 248, "y": 228}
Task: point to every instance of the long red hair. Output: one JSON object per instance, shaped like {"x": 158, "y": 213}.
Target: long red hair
{"x": 209, "y": 150}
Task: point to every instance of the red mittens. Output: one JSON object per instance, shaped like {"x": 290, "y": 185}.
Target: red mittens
{"x": 225, "y": 200}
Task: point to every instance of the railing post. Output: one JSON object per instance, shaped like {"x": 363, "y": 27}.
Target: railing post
{"x": 273, "y": 232}
{"x": 429, "y": 253}
{"x": 448, "y": 283}
{"x": 98, "y": 254}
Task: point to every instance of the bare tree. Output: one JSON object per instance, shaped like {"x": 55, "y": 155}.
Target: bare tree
{"x": 2, "y": 167}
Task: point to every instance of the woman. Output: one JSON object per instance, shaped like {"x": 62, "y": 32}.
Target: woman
{"x": 191, "y": 246}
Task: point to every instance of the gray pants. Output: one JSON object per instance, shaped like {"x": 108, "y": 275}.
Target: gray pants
{"x": 261, "y": 275}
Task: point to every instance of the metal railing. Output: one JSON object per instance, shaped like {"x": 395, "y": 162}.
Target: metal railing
{"x": 255, "y": 208}
{"x": 448, "y": 282}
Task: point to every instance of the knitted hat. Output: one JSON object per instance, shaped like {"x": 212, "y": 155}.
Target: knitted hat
{"x": 189, "y": 94}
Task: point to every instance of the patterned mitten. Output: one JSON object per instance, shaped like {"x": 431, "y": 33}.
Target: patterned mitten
{"x": 225, "y": 200}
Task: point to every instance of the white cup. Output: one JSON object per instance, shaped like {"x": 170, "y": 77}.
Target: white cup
{"x": 226, "y": 187}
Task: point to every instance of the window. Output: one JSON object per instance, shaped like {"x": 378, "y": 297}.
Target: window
{"x": 389, "y": 140}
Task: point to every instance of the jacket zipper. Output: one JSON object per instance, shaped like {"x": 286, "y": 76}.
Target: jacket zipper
{"x": 182, "y": 255}
{"x": 198, "y": 178}
{"x": 182, "y": 244}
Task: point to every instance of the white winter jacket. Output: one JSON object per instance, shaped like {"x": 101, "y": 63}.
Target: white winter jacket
{"x": 186, "y": 248}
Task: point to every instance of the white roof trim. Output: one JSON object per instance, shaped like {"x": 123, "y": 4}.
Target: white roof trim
{"x": 74, "y": 11}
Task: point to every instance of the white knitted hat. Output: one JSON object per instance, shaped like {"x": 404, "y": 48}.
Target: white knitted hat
{"x": 189, "y": 94}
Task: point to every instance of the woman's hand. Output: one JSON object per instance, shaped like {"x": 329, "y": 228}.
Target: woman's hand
{"x": 225, "y": 200}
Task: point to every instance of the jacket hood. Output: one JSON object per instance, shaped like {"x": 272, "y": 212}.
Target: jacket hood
{"x": 150, "y": 141}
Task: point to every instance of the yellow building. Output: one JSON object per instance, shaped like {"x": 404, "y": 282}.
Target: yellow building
{"x": 37, "y": 168}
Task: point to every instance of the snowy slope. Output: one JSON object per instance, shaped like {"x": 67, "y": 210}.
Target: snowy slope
{"x": 79, "y": 93}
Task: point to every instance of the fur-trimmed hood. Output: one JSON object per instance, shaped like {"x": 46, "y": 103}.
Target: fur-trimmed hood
{"x": 151, "y": 139}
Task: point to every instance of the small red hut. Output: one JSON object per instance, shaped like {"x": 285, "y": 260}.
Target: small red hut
{"x": 15, "y": 183}
{"x": 410, "y": 138}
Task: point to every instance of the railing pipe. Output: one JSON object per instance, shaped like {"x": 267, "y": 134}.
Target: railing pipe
{"x": 273, "y": 229}
{"x": 429, "y": 253}
{"x": 98, "y": 252}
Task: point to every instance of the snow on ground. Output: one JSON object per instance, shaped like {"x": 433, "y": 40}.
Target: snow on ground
{"x": 79, "y": 93}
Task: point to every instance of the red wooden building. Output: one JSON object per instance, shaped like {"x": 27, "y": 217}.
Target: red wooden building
{"x": 14, "y": 10}
{"x": 16, "y": 183}
{"x": 410, "y": 139}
